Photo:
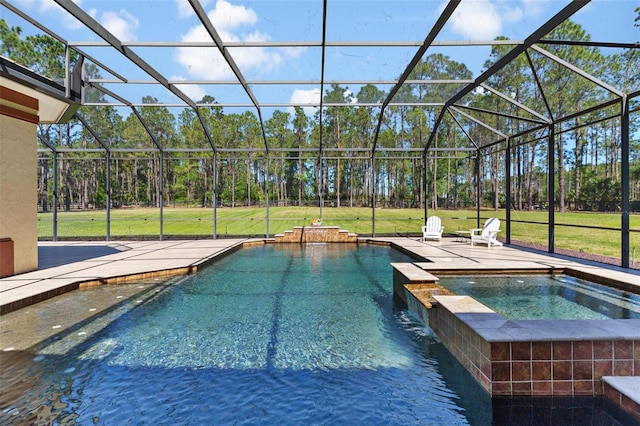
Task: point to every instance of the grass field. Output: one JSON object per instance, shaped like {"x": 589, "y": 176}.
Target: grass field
{"x": 251, "y": 221}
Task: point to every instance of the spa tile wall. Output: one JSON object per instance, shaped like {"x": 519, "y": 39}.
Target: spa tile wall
{"x": 558, "y": 368}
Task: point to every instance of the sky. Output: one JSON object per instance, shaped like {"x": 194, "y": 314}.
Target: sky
{"x": 301, "y": 20}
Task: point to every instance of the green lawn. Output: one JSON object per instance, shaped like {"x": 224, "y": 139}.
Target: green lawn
{"x": 251, "y": 221}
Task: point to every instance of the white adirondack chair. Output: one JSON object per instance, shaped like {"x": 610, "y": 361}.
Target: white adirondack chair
{"x": 487, "y": 234}
{"x": 433, "y": 229}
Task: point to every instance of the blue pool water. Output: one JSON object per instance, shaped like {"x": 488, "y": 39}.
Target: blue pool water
{"x": 547, "y": 297}
{"x": 301, "y": 334}
{"x": 264, "y": 336}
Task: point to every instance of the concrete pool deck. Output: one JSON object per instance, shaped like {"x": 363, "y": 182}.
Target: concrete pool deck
{"x": 71, "y": 264}
{"x": 86, "y": 263}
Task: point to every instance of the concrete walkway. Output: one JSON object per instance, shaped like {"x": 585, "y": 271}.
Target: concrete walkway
{"x": 450, "y": 256}
{"x": 113, "y": 262}
{"x": 67, "y": 265}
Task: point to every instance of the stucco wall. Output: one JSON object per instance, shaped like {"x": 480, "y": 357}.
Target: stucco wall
{"x": 18, "y": 190}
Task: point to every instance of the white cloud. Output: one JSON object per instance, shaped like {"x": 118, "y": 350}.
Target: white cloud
{"x": 48, "y": 5}
{"x": 350, "y": 97}
{"x": 208, "y": 63}
{"x": 512, "y": 14}
{"x": 294, "y": 52}
{"x": 185, "y": 10}
{"x": 194, "y": 91}
{"x": 122, "y": 24}
{"x": 226, "y": 16}
{"x": 51, "y": 7}
{"x": 477, "y": 20}
{"x": 533, "y": 8}
{"x": 299, "y": 97}
{"x": 484, "y": 19}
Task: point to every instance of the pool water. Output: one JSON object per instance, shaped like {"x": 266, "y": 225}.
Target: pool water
{"x": 268, "y": 335}
{"x": 302, "y": 333}
{"x": 546, "y": 297}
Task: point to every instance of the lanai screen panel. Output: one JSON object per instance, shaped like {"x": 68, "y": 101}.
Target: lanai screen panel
{"x": 342, "y": 84}
{"x": 272, "y": 56}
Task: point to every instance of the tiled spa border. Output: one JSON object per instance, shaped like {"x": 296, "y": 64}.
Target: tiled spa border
{"x": 618, "y": 389}
{"x": 543, "y": 366}
{"x": 548, "y": 365}
{"x": 527, "y": 358}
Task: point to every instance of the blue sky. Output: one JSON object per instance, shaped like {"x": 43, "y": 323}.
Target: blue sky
{"x": 301, "y": 20}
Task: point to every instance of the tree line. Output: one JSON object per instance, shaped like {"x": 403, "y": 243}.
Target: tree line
{"x": 169, "y": 159}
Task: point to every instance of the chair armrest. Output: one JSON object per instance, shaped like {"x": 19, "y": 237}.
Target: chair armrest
{"x": 474, "y": 231}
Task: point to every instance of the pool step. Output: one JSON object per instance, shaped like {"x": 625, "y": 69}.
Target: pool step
{"x": 624, "y": 392}
{"x": 411, "y": 280}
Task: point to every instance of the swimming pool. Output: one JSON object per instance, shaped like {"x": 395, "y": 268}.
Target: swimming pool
{"x": 264, "y": 336}
{"x": 268, "y": 335}
{"x": 546, "y": 297}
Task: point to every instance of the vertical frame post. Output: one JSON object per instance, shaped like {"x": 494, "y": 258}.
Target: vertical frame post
{"x": 214, "y": 194}
{"x": 373, "y": 196}
{"x": 551, "y": 154}
{"x": 624, "y": 140}
{"x": 55, "y": 196}
{"x": 478, "y": 183}
{"x": 108, "y": 195}
{"x": 425, "y": 188}
{"x": 266, "y": 188}
{"x": 507, "y": 177}
{"x": 321, "y": 184}
{"x": 161, "y": 196}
